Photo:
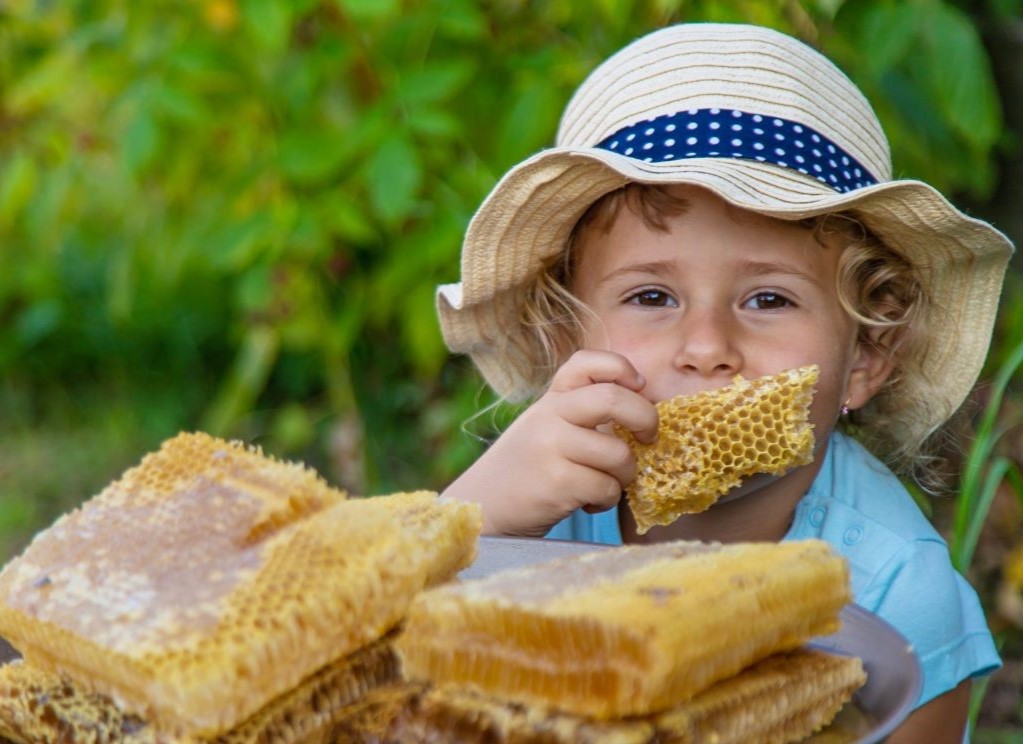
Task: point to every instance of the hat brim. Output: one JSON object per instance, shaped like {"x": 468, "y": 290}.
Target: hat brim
{"x": 527, "y": 219}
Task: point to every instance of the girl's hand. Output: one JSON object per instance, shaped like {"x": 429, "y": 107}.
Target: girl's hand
{"x": 560, "y": 454}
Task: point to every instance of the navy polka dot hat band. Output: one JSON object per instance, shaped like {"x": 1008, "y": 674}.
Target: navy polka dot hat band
{"x": 764, "y": 122}
{"x": 721, "y": 133}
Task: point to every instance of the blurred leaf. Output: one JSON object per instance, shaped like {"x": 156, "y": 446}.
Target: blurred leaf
{"x": 18, "y": 182}
{"x": 435, "y": 122}
{"x": 309, "y": 156}
{"x": 268, "y": 21}
{"x": 43, "y": 83}
{"x": 180, "y": 105}
{"x": 394, "y": 175}
{"x": 38, "y": 321}
{"x": 245, "y": 381}
{"x": 421, "y": 333}
{"x": 529, "y": 124}
{"x": 369, "y": 10}
{"x": 955, "y": 69}
{"x": 435, "y": 83}
{"x": 141, "y": 142}
{"x": 888, "y": 30}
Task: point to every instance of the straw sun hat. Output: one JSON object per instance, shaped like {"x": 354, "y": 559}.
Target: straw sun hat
{"x": 764, "y": 122}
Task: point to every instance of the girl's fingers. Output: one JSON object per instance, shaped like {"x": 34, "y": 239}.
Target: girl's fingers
{"x": 605, "y": 403}
{"x": 593, "y": 490}
{"x": 604, "y": 453}
{"x": 587, "y": 367}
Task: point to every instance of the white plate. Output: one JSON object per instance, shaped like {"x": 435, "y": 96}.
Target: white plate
{"x": 893, "y": 672}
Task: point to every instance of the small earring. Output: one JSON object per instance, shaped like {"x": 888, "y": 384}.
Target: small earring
{"x": 845, "y": 409}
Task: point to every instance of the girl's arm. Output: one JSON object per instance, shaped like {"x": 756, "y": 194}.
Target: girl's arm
{"x": 559, "y": 455}
{"x": 940, "y": 721}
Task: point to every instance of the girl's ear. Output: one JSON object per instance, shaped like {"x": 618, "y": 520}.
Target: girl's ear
{"x": 873, "y": 363}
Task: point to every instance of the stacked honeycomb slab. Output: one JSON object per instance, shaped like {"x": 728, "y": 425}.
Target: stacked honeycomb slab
{"x": 779, "y": 699}
{"x": 708, "y": 442}
{"x": 38, "y": 706}
{"x": 210, "y": 580}
{"x": 628, "y": 632}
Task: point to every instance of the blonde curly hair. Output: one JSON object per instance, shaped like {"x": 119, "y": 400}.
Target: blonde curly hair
{"x": 876, "y": 285}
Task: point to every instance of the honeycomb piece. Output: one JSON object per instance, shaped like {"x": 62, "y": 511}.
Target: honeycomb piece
{"x": 783, "y": 698}
{"x": 37, "y": 706}
{"x": 623, "y": 632}
{"x": 708, "y": 442}
{"x": 210, "y": 579}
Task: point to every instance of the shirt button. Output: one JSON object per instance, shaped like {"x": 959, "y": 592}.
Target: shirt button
{"x": 817, "y": 515}
{"x": 853, "y": 535}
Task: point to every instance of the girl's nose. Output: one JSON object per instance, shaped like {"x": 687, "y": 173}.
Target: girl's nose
{"x": 707, "y": 345}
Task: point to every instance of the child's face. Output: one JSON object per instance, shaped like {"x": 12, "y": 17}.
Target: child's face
{"x": 723, "y": 292}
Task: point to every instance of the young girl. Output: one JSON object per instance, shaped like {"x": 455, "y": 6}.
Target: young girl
{"x": 720, "y": 202}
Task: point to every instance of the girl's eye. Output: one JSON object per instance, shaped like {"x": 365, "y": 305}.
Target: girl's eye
{"x": 652, "y": 298}
{"x": 768, "y": 301}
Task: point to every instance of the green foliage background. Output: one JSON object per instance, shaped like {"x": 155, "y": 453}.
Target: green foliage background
{"x": 231, "y": 215}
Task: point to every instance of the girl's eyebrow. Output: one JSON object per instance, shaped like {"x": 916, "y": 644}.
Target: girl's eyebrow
{"x": 751, "y": 268}
{"x": 656, "y": 268}
{"x": 745, "y": 268}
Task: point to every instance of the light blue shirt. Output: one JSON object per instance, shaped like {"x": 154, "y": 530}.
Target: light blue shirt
{"x": 900, "y": 566}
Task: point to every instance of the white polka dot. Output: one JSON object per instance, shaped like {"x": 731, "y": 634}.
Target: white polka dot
{"x": 778, "y": 122}
{"x": 832, "y": 178}
{"x": 831, "y": 149}
{"x": 816, "y": 152}
{"x": 783, "y": 164}
{"x": 815, "y": 138}
{"x": 846, "y": 175}
{"x": 715, "y": 125}
{"x": 690, "y": 154}
{"x": 691, "y": 125}
{"x": 670, "y": 128}
{"x": 715, "y": 111}
{"x": 858, "y": 172}
{"x": 737, "y": 127}
{"x": 648, "y": 145}
{"x": 758, "y": 145}
{"x": 669, "y": 156}
{"x": 631, "y": 137}
{"x": 757, "y": 117}
{"x": 669, "y": 142}
{"x": 832, "y": 163}
{"x": 758, "y": 130}
{"x": 628, "y": 151}
{"x": 736, "y": 142}
{"x": 614, "y": 144}
{"x": 714, "y": 140}
{"x": 796, "y": 128}
{"x": 817, "y": 168}
{"x": 648, "y": 160}
{"x": 845, "y": 160}
{"x": 693, "y": 112}
{"x": 759, "y": 158}
{"x": 649, "y": 131}
{"x": 779, "y": 136}
{"x": 779, "y": 151}
{"x": 798, "y": 143}
{"x": 736, "y": 114}
{"x": 691, "y": 140}
{"x": 800, "y": 159}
